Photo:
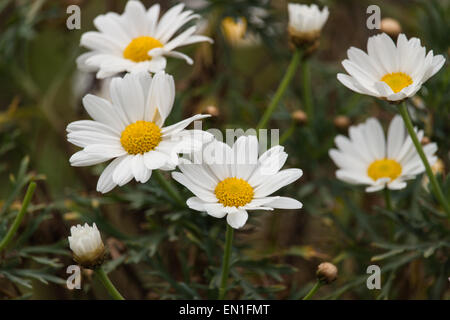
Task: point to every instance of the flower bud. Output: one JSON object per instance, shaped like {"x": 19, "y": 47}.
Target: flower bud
{"x": 438, "y": 167}
{"x": 234, "y": 30}
{"x": 212, "y": 110}
{"x": 87, "y": 245}
{"x": 305, "y": 24}
{"x": 299, "y": 116}
{"x": 326, "y": 272}
{"x": 342, "y": 122}
{"x": 425, "y": 140}
{"x": 390, "y": 26}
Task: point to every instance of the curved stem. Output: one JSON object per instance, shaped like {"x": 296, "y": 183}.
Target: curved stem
{"x": 307, "y": 98}
{"x": 387, "y": 198}
{"x": 115, "y": 294}
{"x": 226, "y": 262}
{"x": 13, "y": 229}
{"x": 169, "y": 188}
{"x": 281, "y": 89}
{"x": 437, "y": 190}
{"x": 313, "y": 290}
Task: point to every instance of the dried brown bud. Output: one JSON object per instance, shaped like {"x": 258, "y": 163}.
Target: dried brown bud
{"x": 425, "y": 140}
{"x": 299, "y": 116}
{"x": 326, "y": 272}
{"x": 391, "y": 26}
{"x": 212, "y": 110}
{"x": 418, "y": 102}
{"x": 342, "y": 122}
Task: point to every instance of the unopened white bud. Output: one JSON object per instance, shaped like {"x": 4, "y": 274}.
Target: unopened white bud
{"x": 87, "y": 245}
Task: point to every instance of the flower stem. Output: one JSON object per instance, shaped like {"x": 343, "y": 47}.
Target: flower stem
{"x": 307, "y": 98}
{"x": 387, "y": 198}
{"x": 281, "y": 89}
{"x": 286, "y": 135}
{"x": 115, "y": 294}
{"x": 169, "y": 188}
{"x": 13, "y": 229}
{"x": 437, "y": 190}
{"x": 313, "y": 290}
{"x": 226, "y": 262}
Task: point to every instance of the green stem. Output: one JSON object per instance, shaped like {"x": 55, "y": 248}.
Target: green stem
{"x": 281, "y": 89}
{"x": 226, "y": 262}
{"x": 313, "y": 290}
{"x": 169, "y": 188}
{"x": 13, "y": 229}
{"x": 307, "y": 97}
{"x": 387, "y": 198}
{"x": 288, "y": 133}
{"x": 115, "y": 294}
{"x": 437, "y": 190}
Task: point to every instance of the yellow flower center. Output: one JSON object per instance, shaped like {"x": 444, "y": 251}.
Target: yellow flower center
{"x": 140, "y": 137}
{"x": 397, "y": 81}
{"x": 234, "y": 30}
{"x": 137, "y": 50}
{"x": 234, "y": 192}
{"x": 384, "y": 168}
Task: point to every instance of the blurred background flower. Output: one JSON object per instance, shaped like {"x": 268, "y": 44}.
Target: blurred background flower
{"x": 161, "y": 250}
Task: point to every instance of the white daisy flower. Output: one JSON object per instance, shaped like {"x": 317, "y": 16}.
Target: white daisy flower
{"x": 86, "y": 245}
{"x": 388, "y": 71}
{"x": 129, "y": 129}
{"x": 366, "y": 158}
{"x": 136, "y": 40}
{"x": 230, "y": 181}
{"x": 306, "y": 19}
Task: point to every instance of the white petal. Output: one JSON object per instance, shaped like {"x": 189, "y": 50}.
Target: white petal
{"x": 285, "y": 203}
{"x": 396, "y": 137}
{"x": 161, "y": 97}
{"x": 105, "y": 182}
{"x": 237, "y": 219}
{"x": 140, "y": 172}
{"x": 102, "y": 111}
{"x": 200, "y": 192}
{"x": 155, "y": 159}
{"x": 110, "y": 25}
{"x": 200, "y": 174}
{"x": 277, "y": 181}
{"x": 152, "y": 16}
{"x": 177, "y": 127}
{"x": 105, "y": 150}
{"x": 196, "y": 204}
{"x": 215, "y": 209}
{"x": 136, "y": 15}
{"x": 122, "y": 173}
{"x": 245, "y": 156}
{"x": 353, "y": 177}
{"x": 82, "y": 159}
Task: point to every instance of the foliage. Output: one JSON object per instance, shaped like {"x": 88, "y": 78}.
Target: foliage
{"x": 159, "y": 250}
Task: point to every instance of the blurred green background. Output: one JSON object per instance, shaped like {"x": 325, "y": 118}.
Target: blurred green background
{"x": 161, "y": 251}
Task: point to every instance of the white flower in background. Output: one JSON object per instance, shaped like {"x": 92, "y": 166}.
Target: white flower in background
{"x": 230, "y": 181}
{"x": 438, "y": 168}
{"x": 129, "y": 129}
{"x": 86, "y": 245}
{"x": 306, "y": 19}
{"x": 366, "y": 158}
{"x": 137, "y": 40}
{"x": 391, "y": 72}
